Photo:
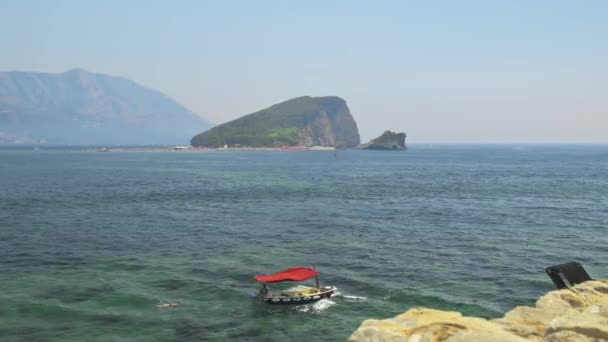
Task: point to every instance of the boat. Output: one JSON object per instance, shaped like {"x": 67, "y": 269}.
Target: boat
{"x": 299, "y": 295}
{"x": 103, "y": 149}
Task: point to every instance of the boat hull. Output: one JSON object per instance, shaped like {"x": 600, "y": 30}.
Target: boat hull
{"x": 326, "y": 292}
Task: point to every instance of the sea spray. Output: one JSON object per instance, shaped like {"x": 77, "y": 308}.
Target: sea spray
{"x": 316, "y": 307}
{"x": 350, "y": 297}
{"x": 354, "y": 297}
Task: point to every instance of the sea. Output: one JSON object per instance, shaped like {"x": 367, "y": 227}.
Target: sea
{"x": 91, "y": 243}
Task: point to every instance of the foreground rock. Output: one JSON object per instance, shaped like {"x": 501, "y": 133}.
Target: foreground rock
{"x": 558, "y": 316}
{"x": 387, "y": 141}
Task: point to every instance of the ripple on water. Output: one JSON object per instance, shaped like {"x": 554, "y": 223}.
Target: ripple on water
{"x": 75, "y": 294}
{"x": 91, "y": 243}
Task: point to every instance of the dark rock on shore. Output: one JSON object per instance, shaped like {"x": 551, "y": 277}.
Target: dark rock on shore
{"x": 387, "y": 141}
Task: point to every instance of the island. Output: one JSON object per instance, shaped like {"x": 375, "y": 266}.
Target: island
{"x": 387, "y": 141}
{"x": 303, "y": 121}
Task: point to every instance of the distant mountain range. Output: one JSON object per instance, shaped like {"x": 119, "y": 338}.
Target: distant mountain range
{"x": 80, "y": 107}
{"x": 304, "y": 121}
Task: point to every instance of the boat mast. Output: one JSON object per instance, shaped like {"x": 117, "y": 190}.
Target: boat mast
{"x": 316, "y": 277}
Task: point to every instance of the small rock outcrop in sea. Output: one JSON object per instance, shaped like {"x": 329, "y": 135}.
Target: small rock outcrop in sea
{"x": 302, "y": 121}
{"x": 558, "y": 316}
{"x": 387, "y": 141}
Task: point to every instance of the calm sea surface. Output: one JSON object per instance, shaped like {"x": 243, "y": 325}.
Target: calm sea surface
{"x": 91, "y": 242}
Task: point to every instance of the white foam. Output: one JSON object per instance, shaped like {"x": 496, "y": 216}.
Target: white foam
{"x": 339, "y": 294}
{"x": 355, "y": 297}
{"x": 316, "y": 307}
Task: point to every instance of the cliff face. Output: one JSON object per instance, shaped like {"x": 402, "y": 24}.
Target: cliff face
{"x": 80, "y": 107}
{"x": 305, "y": 121}
{"x": 558, "y": 316}
{"x": 387, "y": 141}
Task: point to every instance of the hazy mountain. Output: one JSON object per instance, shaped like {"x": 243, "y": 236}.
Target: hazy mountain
{"x": 79, "y": 107}
{"x": 307, "y": 121}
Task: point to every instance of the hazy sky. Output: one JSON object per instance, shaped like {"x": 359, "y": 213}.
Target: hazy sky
{"x": 443, "y": 71}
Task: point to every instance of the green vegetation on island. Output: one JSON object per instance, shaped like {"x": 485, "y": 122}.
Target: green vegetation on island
{"x": 302, "y": 121}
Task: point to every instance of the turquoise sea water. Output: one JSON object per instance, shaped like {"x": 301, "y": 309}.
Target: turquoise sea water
{"x": 91, "y": 242}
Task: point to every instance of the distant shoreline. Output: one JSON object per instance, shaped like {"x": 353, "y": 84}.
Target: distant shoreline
{"x": 204, "y": 149}
{"x": 165, "y": 148}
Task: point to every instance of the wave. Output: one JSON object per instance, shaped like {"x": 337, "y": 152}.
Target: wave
{"x": 352, "y": 297}
{"x": 316, "y": 307}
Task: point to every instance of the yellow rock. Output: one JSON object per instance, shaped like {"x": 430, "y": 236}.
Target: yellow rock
{"x": 558, "y": 316}
{"x": 431, "y": 325}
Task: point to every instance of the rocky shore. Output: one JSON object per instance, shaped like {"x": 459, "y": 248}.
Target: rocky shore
{"x": 560, "y": 315}
{"x": 206, "y": 149}
{"x": 387, "y": 141}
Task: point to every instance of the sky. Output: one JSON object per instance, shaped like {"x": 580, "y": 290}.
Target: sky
{"x": 442, "y": 71}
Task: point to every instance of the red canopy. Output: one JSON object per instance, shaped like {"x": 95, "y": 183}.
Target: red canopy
{"x": 292, "y": 274}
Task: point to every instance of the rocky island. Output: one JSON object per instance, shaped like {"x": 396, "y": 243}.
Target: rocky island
{"x": 302, "y": 121}
{"x": 562, "y": 315}
{"x": 387, "y": 141}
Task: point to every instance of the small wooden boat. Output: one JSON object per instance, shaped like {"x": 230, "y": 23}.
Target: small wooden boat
{"x": 300, "y": 295}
